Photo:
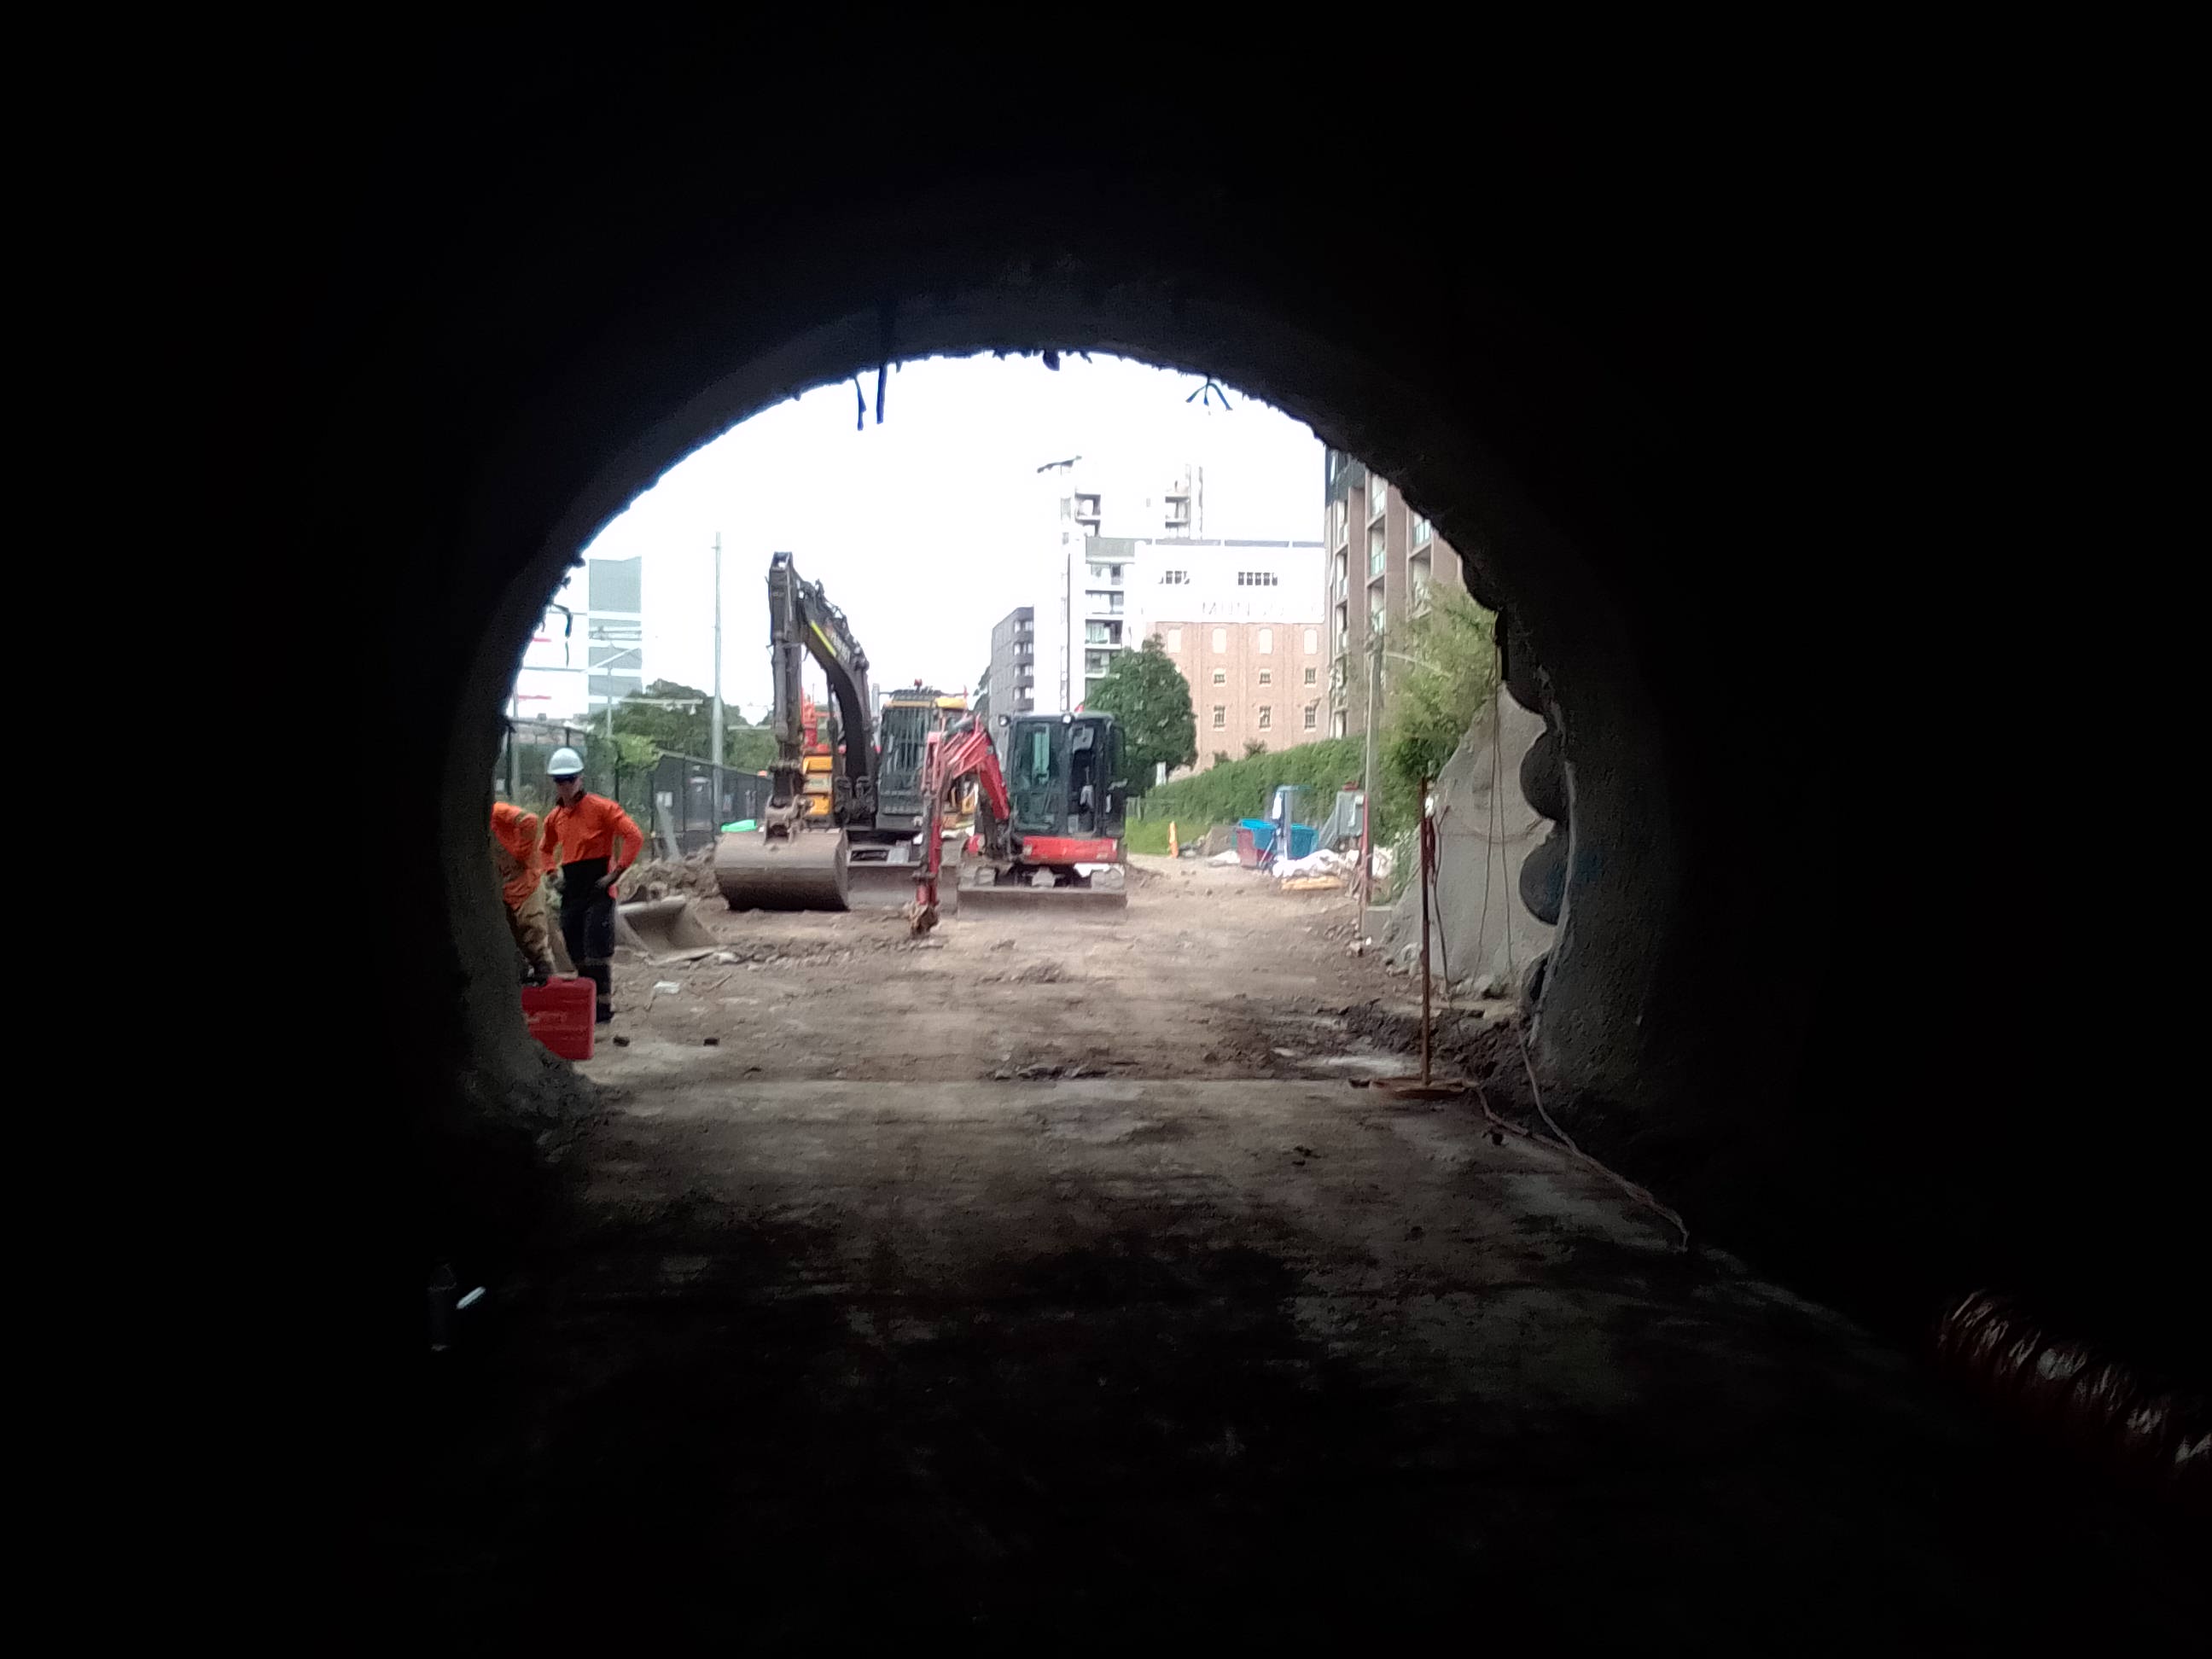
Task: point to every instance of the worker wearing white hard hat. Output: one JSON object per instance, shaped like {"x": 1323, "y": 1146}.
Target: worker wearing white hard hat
{"x": 591, "y": 840}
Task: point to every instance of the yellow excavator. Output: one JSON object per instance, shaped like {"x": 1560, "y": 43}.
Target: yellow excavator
{"x": 844, "y": 811}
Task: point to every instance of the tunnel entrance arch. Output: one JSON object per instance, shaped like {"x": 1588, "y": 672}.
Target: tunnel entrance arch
{"x": 1447, "y": 468}
{"x": 497, "y": 357}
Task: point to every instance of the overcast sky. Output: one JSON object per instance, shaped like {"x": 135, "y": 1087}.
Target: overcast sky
{"x": 922, "y": 529}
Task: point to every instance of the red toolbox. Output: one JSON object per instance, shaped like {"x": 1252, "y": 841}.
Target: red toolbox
{"x": 560, "y": 1013}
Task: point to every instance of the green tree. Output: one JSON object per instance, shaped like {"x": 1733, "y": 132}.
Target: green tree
{"x": 1147, "y": 693}
{"x": 657, "y": 716}
{"x": 1436, "y": 696}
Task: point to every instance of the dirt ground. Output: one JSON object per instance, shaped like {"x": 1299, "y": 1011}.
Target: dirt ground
{"x": 1208, "y": 973}
{"x": 1051, "y": 1281}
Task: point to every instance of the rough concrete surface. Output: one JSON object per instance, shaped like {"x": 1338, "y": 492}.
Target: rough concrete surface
{"x": 1486, "y": 830}
{"x": 1213, "y": 1343}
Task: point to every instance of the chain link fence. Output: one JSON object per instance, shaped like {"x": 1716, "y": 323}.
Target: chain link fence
{"x": 690, "y": 799}
{"x": 679, "y": 800}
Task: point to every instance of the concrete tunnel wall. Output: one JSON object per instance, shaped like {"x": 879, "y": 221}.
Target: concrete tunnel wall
{"x": 510, "y": 283}
{"x": 1481, "y": 932}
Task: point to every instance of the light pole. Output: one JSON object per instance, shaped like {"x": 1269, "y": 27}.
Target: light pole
{"x": 715, "y": 724}
{"x": 1374, "y": 655}
{"x": 632, "y": 651}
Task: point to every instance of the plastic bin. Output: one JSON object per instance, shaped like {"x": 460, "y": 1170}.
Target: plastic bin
{"x": 561, "y": 1014}
{"x": 1304, "y": 837}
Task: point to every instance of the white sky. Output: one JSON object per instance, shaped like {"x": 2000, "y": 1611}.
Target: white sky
{"x": 922, "y": 529}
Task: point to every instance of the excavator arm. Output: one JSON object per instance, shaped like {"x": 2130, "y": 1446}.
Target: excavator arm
{"x": 802, "y": 620}
{"x": 950, "y": 758}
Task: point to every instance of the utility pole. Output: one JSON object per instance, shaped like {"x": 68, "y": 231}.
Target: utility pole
{"x": 716, "y": 724}
{"x": 1368, "y": 773}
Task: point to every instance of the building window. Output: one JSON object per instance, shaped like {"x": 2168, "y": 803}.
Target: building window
{"x": 1422, "y": 530}
{"x": 1336, "y": 521}
{"x": 1258, "y": 579}
{"x": 1267, "y": 717}
{"x": 1266, "y": 677}
{"x": 1175, "y": 578}
{"x": 1267, "y": 641}
{"x": 1375, "y": 545}
{"x": 1220, "y": 639}
{"x": 1221, "y": 677}
{"x": 1313, "y": 715}
{"x": 1378, "y": 497}
{"x": 1310, "y": 672}
{"x": 1220, "y": 716}
{"x": 1313, "y": 641}
{"x": 1336, "y": 723}
{"x": 1175, "y": 639}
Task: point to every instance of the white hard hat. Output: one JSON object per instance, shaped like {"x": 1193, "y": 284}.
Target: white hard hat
{"x": 565, "y": 764}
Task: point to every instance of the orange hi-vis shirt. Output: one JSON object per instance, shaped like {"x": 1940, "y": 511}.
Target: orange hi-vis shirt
{"x": 516, "y": 832}
{"x": 587, "y": 831}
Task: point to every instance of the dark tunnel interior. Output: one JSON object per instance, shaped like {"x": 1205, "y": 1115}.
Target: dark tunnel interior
{"x": 1825, "y": 525}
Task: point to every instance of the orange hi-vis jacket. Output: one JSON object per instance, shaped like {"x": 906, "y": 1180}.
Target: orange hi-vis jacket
{"x": 587, "y": 831}
{"x": 516, "y": 832}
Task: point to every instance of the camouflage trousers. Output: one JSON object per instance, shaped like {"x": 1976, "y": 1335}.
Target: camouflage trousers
{"x": 533, "y": 931}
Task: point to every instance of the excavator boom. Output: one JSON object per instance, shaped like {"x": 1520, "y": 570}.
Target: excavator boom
{"x": 786, "y": 864}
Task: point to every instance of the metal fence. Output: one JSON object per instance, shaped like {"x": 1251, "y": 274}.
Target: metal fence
{"x": 678, "y": 801}
{"x": 692, "y": 799}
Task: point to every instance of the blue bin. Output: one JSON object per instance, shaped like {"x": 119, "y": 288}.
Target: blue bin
{"x": 1304, "y": 837}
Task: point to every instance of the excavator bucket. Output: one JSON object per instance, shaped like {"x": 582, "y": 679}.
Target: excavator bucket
{"x": 802, "y": 871}
{"x": 661, "y": 928}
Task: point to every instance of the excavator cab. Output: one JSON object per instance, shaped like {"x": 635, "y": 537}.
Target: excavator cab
{"x": 1063, "y": 780}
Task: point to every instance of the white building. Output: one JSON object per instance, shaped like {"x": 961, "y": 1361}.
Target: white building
{"x": 589, "y": 647}
{"x": 1121, "y": 589}
{"x": 1084, "y": 600}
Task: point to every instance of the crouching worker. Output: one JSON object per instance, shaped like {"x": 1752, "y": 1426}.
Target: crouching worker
{"x": 591, "y": 841}
{"x": 514, "y": 856}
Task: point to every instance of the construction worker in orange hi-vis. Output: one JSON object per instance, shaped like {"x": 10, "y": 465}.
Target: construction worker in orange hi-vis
{"x": 514, "y": 857}
{"x": 591, "y": 841}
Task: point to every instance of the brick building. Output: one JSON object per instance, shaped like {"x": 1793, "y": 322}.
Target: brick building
{"x": 1382, "y": 559}
{"x": 1262, "y": 682}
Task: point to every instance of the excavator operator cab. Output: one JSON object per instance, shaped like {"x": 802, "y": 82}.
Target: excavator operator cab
{"x": 1063, "y": 775}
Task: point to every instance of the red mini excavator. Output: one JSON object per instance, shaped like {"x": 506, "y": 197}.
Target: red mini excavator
{"x": 1048, "y": 820}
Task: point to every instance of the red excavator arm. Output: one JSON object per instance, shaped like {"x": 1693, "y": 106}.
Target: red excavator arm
{"x": 947, "y": 760}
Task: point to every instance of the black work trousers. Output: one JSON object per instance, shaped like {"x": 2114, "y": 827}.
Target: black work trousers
{"x": 587, "y": 927}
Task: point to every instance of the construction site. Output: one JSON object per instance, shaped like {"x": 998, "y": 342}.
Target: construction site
{"x": 1730, "y": 1182}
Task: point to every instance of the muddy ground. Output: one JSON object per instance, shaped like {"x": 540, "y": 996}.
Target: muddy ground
{"x": 1050, "y": 1283}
